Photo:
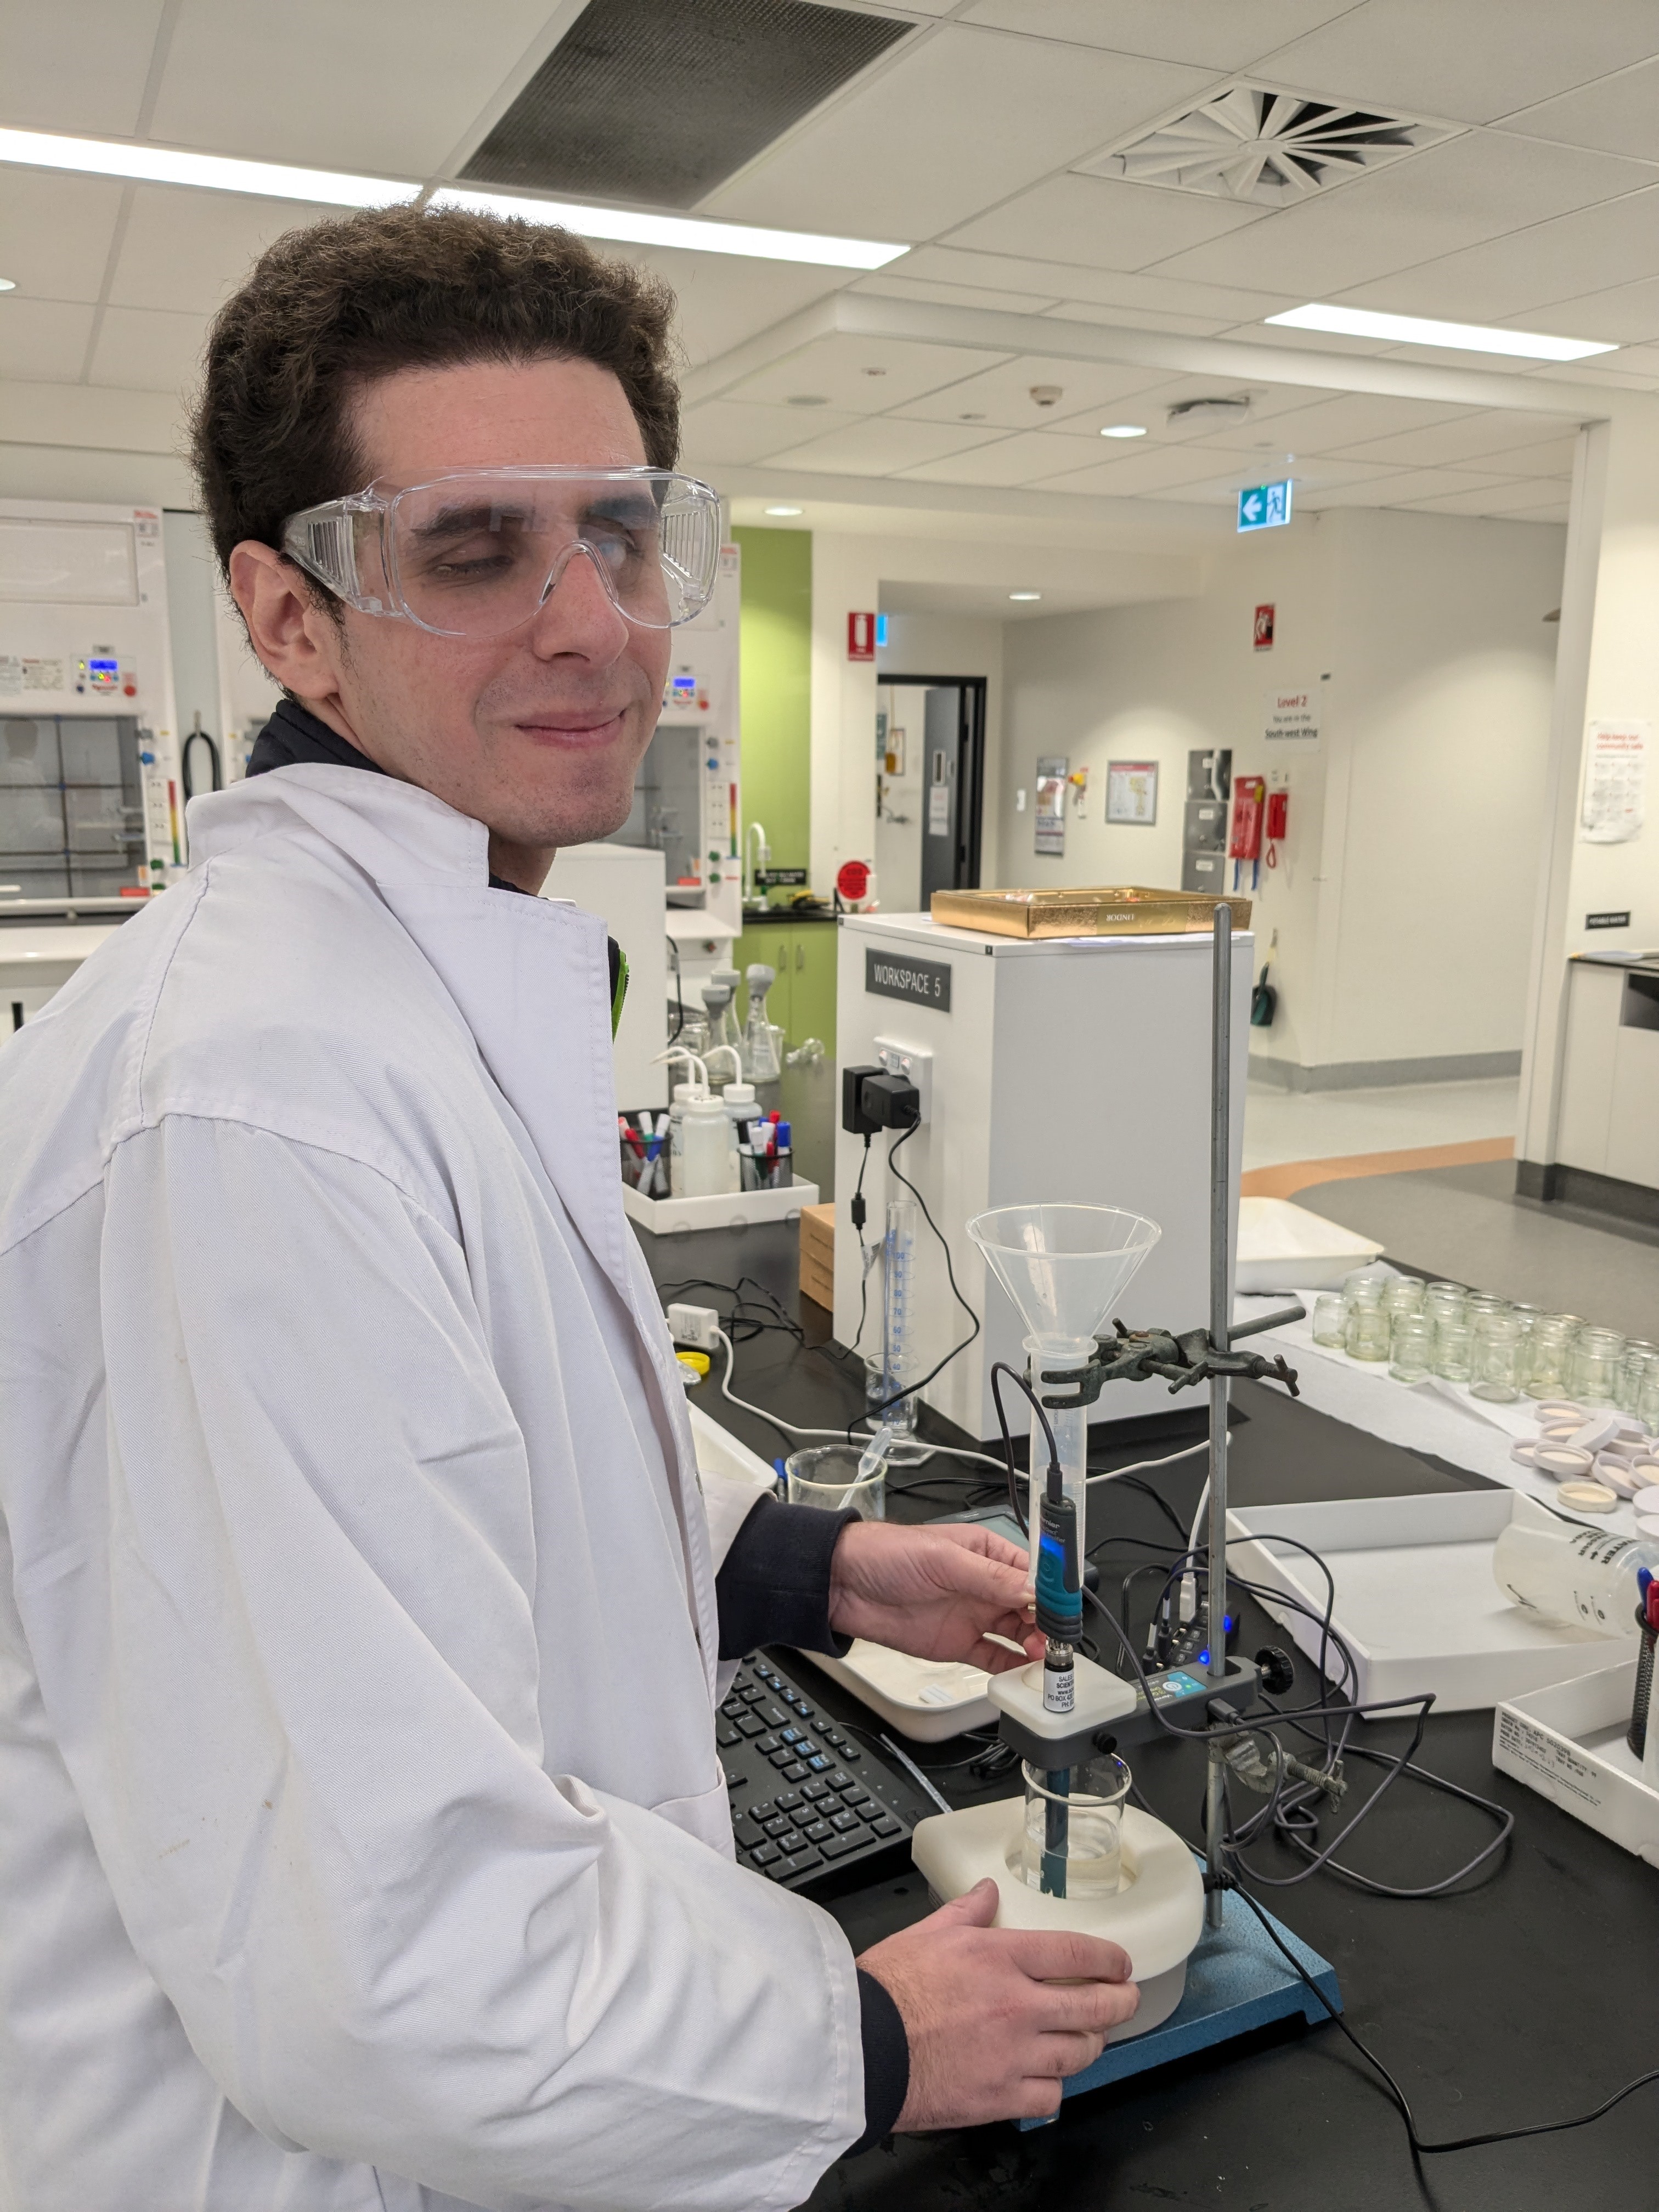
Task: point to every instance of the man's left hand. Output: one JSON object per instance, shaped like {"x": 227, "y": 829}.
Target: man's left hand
{"x": 937, "y": 1592}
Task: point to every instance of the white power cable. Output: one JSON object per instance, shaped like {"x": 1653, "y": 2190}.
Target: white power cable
{"x": 777, "y": 1421}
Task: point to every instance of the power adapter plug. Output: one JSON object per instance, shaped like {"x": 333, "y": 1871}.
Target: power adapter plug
{"x": 697, "y": 1326}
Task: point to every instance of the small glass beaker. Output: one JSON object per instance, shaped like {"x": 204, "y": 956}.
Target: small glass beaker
{"x": 1412, "y": 1349}
{"x": 1329, "y": 1313}
{"x": 1365, "y": 1285}
{"x": 1071, "y": 1843}
{"x": 1639, "y": 1356}
{"x": 1498, "y": 1353}
{"x": 1366, "y": 1333}
{"x": 828, "y": 1476}
{"x": 1454, "y": 1350}
{"x": 1547, "y": 1348}
{"x": 1405, "y": 1294}
{"x": 1593, "y": 1364}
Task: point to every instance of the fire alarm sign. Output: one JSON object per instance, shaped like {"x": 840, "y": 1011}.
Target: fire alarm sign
{"x": 860, "y": 637}
{"x": 1264, "y": 629}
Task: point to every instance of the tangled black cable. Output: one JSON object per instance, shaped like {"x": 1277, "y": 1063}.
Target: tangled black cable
{"x": 872, "y": 1413}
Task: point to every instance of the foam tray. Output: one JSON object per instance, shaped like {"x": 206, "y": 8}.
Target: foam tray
{"x": 1416, "y": 1600}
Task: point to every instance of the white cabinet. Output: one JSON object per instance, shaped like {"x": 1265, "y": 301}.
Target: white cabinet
{"x": 1610, "y": 1079}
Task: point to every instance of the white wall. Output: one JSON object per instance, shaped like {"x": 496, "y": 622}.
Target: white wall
{"x": 1403, "y": 898}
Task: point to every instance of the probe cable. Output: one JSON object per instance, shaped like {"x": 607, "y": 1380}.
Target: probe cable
{"x": 911, "y": 1388}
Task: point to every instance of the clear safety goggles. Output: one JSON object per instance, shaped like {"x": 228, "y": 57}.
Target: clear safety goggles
{"x": 474, "y": 554}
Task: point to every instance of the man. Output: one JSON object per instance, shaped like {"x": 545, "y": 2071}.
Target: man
{"x": 364, "y": 1843}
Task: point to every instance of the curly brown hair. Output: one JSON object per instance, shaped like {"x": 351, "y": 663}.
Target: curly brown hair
{"x": 330, "y": 307}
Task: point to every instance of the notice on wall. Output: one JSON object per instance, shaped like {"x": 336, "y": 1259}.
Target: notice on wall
{"x": 1292, "y": 714}
{"x": 1615, "y": 774}
{"x": 1132, "y": 792}
{"x": 1051, "y": 804}
{"x": 938, "y": 811}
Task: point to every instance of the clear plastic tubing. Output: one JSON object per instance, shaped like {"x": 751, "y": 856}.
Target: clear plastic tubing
{"x": 897, "y": 1346}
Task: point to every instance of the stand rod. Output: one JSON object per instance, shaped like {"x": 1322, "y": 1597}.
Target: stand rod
{"x": 1220, "y": 1328}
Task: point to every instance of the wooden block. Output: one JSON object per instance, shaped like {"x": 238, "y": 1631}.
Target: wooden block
{"x": 817, "y": 1254}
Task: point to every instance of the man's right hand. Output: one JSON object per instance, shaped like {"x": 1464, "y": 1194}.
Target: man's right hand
{"x": 997, "y": 2017}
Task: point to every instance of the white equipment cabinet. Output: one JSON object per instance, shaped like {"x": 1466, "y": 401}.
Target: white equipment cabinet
{"x": 91, "y": 795}
{"x": 1072, "y": 1069}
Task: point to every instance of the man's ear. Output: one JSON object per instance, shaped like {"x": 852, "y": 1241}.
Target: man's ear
{"x": 293, "y": 638}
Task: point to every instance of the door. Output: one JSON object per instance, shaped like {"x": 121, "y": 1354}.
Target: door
{"x": 941, "y": 807}
{"x": 929, "y": 801}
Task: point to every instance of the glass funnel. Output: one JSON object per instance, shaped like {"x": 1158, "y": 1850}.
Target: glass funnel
{"x": 1064, "y": 1267}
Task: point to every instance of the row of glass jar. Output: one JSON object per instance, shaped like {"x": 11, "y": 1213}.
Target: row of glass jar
{"x": 1500, "y": 1350}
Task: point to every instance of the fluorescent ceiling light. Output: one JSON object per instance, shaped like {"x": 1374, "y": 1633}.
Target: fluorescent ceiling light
{"x": 7, "y": 284}
{"x": 166, "y": 165}
{"x": 1419, "y": 330}
{"x": 1025, "y": 595}
{"x": 1124, "y": 430}
{"x": 783, "y": 510}
{"x": 629, "y": 227}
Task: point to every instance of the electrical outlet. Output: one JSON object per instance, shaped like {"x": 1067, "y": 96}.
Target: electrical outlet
{"x": 915, "y": 1064}
{"x": 1278, "y": 779}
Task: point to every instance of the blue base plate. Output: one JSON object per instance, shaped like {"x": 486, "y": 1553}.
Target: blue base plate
{"x": 1235, "y": 1981}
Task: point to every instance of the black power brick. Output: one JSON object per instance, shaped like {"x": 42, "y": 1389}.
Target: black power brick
{"x": 872, "y": 1100}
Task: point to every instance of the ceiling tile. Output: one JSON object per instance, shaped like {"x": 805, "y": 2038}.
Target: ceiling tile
{"x": 1625, "y": 315}
{"x": 1160, "y": 470}
{"x": 1024, "y": 458}
{"x": 60, "y": 72}
{"x": 1140, "y": 319}
{"x": 1003, "y": 395}
{"x": 1471, "y": 436}
{"x": 1327, "y": 423}
{"x": 1222, "y": 35}
{"x": 881, "y": 447}
{"x": 1558, "y": 511}
{"x": 147, "y": 349}
{"x": 1064, "y": 281}
{"x": 1479, "y": 186}
{"x": 1101, "y": 222}
{"x": 1466, "y": 64}
{"x": 1508, "y": 278}
{"x": 724, "y": 299}
{"x": 1515, "y": 498}
{"x": 387, "y": 88}
{"x": 867, "y": 376}
{"x": 56, "y": 231}
{"x": 43, "y": 341}
{"x": 1620, "y": 115}
{"x": 953, "y": 125}
{"x": 185, "y": 250}
{"x": 1398, "y": 487}
{"x": 725, "y": 432}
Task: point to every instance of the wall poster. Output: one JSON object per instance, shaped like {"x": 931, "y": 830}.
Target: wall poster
{"x": 1132, "y": 792}
{"x": 1051, "y": 804}
{"x": 1615, "y": 775}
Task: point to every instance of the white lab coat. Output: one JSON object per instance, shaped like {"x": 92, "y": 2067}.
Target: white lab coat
{"x": 364, "y": 1845}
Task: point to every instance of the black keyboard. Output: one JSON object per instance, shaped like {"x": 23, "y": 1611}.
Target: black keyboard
{"x": 808, "y": 1801}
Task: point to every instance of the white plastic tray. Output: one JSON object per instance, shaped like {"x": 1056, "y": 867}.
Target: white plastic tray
{"x": 736, "y": 1209}
{"x": 1416, "y": 1601}
{"x": 1283, "y": 1247}
{"x": 1567, "y": 1742}
{"x": 925, "y": 1699}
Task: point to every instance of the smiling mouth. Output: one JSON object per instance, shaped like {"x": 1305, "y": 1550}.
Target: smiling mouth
{"x": 572, "y": 729}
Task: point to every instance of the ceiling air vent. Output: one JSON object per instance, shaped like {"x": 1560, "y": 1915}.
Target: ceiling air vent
{"x": 658, "y": 101}
{"x": 1233, "y": 408}
{"x": 1252, "y": 143}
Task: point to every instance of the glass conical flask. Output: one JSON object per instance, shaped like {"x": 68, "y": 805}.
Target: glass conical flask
{"x": 760, "y": 1047}
{"x": 1064, "y": 1267}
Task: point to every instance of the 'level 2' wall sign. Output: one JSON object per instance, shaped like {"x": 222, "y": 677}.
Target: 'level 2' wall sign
{"x": 1265, "y": 506}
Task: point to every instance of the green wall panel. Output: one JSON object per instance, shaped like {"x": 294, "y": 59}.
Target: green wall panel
{"x": 776, "y": 658}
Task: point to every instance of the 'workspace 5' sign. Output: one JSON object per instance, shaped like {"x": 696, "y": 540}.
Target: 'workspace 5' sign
{"x": 920, "y": 982}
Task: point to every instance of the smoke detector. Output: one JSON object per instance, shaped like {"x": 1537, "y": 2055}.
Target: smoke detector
{"x": 1218, "y": 409}
{"x": 1046, "y": 395}
{"x": 1269, "y": 148}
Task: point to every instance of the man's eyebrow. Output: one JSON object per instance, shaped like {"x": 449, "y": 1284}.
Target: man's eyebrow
{"x": 478, "y": 514}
